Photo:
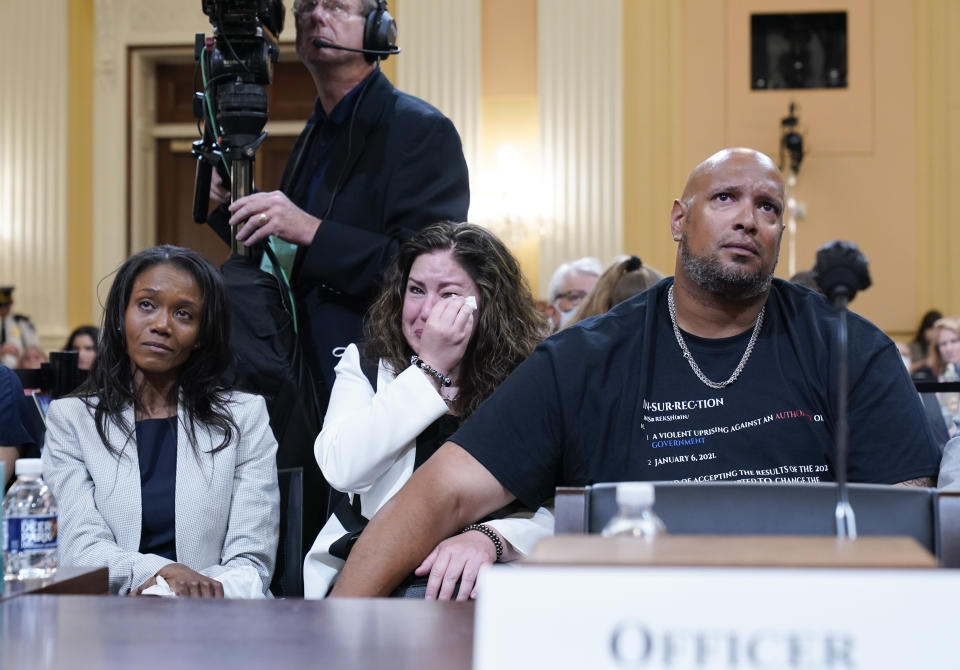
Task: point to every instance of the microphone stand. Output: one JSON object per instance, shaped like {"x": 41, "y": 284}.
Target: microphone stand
{"x": 841, "y": 271}
{"x": 844, "y": 518}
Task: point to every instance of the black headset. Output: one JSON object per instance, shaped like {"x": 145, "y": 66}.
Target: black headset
{"x": 380, "y": 34}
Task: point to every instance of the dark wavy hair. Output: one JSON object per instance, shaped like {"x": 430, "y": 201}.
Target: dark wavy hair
{"x": 109, "y": 389}
{"x": 618, "y": 282}
{"x": 930, "y": 318}
{"x": 90, "y": 331}
{"x": 509, "y": 325}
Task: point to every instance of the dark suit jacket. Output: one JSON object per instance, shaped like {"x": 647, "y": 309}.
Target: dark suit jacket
{"x": 398, "y": 167}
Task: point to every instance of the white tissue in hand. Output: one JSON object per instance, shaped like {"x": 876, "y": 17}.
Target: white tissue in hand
{"x": 240, "y": 582}
{"x": 470, "y": 301}
{"x": 160, "y": 588}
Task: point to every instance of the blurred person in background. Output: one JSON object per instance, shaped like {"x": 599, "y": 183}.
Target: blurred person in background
{"x": 920, "y": 344}
{"x": 570, "y": 284}
{"x": 33, "y": 358}
{"x": 622, "y": 280}
{"x": 84, "y": 341}
{"x": 17, "y": 331}
{"x": 944, "y": 366}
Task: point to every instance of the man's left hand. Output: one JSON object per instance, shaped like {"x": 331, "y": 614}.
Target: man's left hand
{"x": 457, "y": 559}
{"x": 272, "y": 213}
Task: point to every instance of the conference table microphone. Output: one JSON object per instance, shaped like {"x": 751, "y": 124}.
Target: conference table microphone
{"x": 323, "y": 44}
{"x": 841, "y": 271}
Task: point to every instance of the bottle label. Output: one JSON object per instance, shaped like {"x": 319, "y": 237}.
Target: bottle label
{"x": 30, "y": 533}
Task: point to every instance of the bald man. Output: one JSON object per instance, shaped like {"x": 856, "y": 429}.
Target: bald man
{"x": 719, "y": 373}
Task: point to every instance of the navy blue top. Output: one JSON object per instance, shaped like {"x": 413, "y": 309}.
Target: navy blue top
{"x": 318, "y": 155}
{"x": 157, "y": 452}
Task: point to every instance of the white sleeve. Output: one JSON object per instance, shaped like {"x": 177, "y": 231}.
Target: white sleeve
{"x": 253, "y": 530}
{"x": 364, "y": 432}
{"x": 525, "y": 528}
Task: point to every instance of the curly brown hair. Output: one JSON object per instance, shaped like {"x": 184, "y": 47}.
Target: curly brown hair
{"x": 509, "y": 325}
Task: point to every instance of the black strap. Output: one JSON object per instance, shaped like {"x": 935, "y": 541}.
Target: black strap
{"x": 370, "y": 366}
{"x": 352, "y": 521}
{"x": 433, "y": 437}
{"x": 347, "y": 512}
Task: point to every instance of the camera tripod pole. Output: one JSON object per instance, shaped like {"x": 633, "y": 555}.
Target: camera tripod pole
{"x": 241, "y": 184}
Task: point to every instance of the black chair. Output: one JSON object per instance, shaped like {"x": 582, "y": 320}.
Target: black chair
{"x": 288, "y": 571}
{"x": 756, "y": 508}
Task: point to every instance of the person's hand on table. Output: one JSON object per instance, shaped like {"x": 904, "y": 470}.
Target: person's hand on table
{"x": 185, "y": 582}
{"x": 458, "y": 558}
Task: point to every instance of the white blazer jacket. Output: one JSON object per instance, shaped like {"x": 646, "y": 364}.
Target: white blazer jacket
{"x": 368, "y": 447}
{"x": 227, "y": 503}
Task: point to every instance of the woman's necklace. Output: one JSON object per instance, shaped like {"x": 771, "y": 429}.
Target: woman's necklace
{"x": 693, "y": 364}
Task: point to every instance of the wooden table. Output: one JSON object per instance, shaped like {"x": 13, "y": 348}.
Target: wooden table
{"x": 781, "y": 551}
{"x": 125, "y": 632}
{"x": 85, "y": 581}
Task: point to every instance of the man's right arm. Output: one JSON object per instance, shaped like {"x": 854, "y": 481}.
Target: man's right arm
{"x": 451, "y": 490}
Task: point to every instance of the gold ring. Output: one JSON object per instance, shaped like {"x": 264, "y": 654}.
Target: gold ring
{"x": 263, "y": 219}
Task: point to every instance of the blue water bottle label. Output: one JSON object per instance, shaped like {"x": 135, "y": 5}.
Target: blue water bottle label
{"x": 31, "y": 533}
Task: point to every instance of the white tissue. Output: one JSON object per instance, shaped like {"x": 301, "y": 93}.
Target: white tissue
{"x": 470, "y": 301}
{"x": 242, "y": 582}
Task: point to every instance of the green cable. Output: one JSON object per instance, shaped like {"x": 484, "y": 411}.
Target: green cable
{"x": 206, "y": 99}
{"x": 226, "y": 163}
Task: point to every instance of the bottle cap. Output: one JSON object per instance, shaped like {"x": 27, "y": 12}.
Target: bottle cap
{"x": 28, "y": 466}
{"x": 635, "y": 494}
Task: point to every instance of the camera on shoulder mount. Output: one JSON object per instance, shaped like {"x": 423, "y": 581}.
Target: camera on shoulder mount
{"x": 235, "y": 65}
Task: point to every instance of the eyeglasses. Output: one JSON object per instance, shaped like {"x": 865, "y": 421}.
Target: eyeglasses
{"x": 335, "y": 8}
{"x": 573, "y": 298}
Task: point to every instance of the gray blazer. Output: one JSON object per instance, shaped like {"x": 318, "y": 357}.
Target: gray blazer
{"x": 227, "y": 503}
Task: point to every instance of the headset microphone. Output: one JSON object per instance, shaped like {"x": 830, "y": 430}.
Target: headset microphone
{"x": 323, "y": 44}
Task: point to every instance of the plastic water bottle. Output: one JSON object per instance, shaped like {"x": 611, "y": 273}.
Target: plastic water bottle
{"x": 636, "y": 517}
{"x": 29, "y": 525}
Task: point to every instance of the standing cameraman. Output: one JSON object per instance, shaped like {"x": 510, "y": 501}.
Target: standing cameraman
{"x": 372, "y": 166}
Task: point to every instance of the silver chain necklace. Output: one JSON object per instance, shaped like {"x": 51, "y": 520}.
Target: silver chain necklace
{"x": 693, "y": 364}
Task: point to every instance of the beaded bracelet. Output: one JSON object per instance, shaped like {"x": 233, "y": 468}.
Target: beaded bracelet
{"x": 422, "y": 364}
{"x": 489, "y": 532}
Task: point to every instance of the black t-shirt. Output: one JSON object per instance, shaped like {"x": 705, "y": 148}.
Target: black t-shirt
{"x": 613, "y": 399}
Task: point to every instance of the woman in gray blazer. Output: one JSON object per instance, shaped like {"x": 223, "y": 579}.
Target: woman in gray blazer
{"x": 158, "y": 469}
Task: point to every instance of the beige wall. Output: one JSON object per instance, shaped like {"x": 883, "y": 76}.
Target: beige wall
{"x": 880, "y": 167}
{"x": 938, "y": 146}
{"x": 654, "y": 167}
{"x": 877, "y": 169}
{"x": 857, "y": 179}
{"x": 509, "y": 113}
{"x": 79, "y": 153}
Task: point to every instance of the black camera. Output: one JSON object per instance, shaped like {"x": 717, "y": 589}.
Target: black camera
{"x": 235, "y": 66}
{"x": 245, "y": 36}
{"x": 791, "y": 140}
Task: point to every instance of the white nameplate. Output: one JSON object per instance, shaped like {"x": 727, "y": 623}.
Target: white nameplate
{"x": 716, "y": 618}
